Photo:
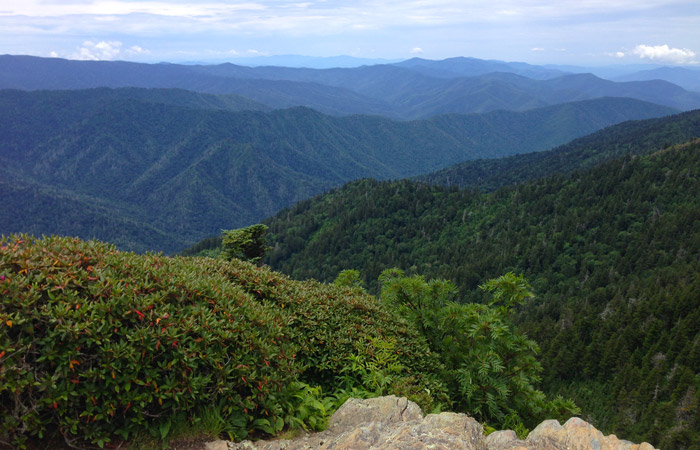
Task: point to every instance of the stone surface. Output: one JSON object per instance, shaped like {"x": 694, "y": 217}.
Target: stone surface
{"x": 216, "y": 445}
{"x": 383, "y": 410}
{"x": 384, "y": 423}
{"x": 396, "y": 423}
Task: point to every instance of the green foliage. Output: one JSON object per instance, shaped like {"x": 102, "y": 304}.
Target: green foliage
{"x": 349, "y": 278}
{"x": 490, "y": 368}
{"x": 100, "y": 345}
{"x": 247, "y": 244}
{"x": 331, "y": 326}
{"x": 306, "y": 407}
{"x": 373, "y": 368}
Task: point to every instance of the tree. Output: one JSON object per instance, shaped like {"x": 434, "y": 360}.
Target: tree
{"x": 248, "y": 244}
{"x": 490, "y": 368}
{"x": 349, "y": 278}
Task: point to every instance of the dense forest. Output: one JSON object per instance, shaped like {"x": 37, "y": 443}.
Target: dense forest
{"x": 613, "y": 258}
{"x": 155, "y": 169}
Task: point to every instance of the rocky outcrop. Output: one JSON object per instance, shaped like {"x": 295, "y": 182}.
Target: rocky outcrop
{"x": 396, "y": 423}
{"x": 575, "y": 434}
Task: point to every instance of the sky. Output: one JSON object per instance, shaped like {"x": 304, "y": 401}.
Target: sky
{"x": 580, "y": 32}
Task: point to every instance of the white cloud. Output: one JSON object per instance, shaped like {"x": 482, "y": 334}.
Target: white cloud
{"x": 137, "y": 50}
{"x": 665, "y": 54}
{"x": 53, "y": 55}
{"x": 105, "y": 50}
{"x": 416, "y": 50}
{"x": 537, "y": 49}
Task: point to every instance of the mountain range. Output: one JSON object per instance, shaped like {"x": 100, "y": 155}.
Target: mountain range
{"x": 169, "y": 167}
{"x": 408, "y": 90}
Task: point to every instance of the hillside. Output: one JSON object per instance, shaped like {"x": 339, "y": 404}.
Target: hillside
{"x": 612, "y": 253}
{"x": 628, "y": 138}
{"x": 189, "y": 165}
{"x": 409, "y": 90}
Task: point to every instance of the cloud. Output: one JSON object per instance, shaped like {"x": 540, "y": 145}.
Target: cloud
{"x": 666, "y": 54}
{"x": 416, "y": 50}
{"x": 105, "y": 50}
{"x": 536, "y": 49}
{"x": 136, "y": 50}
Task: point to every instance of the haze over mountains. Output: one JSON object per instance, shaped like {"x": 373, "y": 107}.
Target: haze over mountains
{"x": 407, "y": 90}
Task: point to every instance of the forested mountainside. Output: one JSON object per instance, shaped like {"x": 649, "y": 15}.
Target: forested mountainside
{"x": 409, "y": 90}
{"x": 628, "y": 138}
{"x": 102, "y": 163}
{"x": 612, "y": 254}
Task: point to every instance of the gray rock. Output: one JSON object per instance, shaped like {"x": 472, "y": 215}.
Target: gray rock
{"x": 388, "y": 423}
{"x": 216, "y": 445}
{"x": 502, "y": 440}
{"x": 383, "y": 410}
{"x": 384, "y": 423}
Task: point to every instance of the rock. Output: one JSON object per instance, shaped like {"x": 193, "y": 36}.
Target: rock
{"x": 580, "y": 435}
{"x": 551, "y": 429}
{"x": 613, "y": 443}
{"x": 396, "y": 423}
{"x": 504, "y": 440}
{"x": 385, "y": 423}
{"x": 576, "y": 434}
{"x": 216, "y": 445}
{"x": 383, "y": 410}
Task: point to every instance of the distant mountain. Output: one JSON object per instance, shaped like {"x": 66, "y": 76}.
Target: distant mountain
{"x": 634, "y": 137}
{"x": 312, "y": 62}
{"x": 471, "y": 67}
{"x": 32, "y": 73}
{"x": 686, "y": 78}
{"x": 608, "y": 72}
{"x": 192, "y": 171}
{"x": 417, "y": 89}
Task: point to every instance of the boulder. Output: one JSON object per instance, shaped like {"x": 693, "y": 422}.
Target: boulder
{"x": 384, "y": 423}
{"x": 396, "y": 423}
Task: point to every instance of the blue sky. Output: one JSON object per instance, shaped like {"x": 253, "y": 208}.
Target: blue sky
{"x": 583, "y": 32}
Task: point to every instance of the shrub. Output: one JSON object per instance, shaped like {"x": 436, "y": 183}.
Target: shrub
{"x": 98, "y": 343}
{"x": 331, "y": 324}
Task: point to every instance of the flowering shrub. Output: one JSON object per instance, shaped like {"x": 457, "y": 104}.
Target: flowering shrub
{"x": 98, "y": 344}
